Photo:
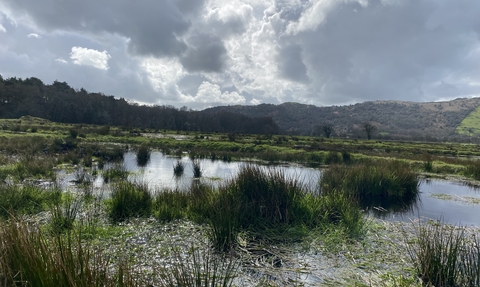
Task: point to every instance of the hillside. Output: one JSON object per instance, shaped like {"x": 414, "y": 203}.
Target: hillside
{"x": 393, "y": 119}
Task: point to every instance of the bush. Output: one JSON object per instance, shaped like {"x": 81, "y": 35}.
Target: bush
{"x": 129, "y": 200}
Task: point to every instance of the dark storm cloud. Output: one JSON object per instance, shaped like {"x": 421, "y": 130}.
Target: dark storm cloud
{"x": 206, "y": 53}
{"x": 153, "y": 27}
{"x": 290, "y": 64}
{"x": 386, "y": 51}
{"x": 311, "y": 51}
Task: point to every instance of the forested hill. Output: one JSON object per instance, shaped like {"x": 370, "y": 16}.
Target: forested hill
{"x": 393, "y": 119}
{"x": 61, "y": 103}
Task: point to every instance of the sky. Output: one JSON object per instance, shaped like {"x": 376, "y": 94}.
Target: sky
{"x": 204, "y": 53}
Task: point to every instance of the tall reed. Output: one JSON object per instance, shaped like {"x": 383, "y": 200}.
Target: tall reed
{"x": 198, "y": 268}
{"x": 27, "y": 199}
{"x": 376, "y": 182}
{"x": 29, "y": 257}
{"x": 129, "y": 200}
{"x": 446, "y": 255}
{"x": 143, "y": 155}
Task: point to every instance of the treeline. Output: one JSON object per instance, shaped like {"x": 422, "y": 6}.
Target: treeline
{"x": 61, "y": 103}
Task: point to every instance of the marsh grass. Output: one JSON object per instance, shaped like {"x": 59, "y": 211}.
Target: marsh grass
{"x": 445, "y": 255}
{"x": 262, "y": 200}
{"x": 199, "y": 267}
{"x": 178, "y": 168}
{"x": 129, "y": 200}
{"x": 27, "y": 199}
{"x": 384, "y": 183}
{"x": 169, "y": 205}
{"x": 473, "y": 169}
{"x": 32, "y": 258}
{"x": 143, "y": 154}
{"x": 117, "y": 172}
{"x": 29, "y": 167}
{"x": 197, "y": 168}
{"x": 65, "y": 213}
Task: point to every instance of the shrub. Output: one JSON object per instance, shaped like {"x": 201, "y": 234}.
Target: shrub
{"x": 129, "y": 200}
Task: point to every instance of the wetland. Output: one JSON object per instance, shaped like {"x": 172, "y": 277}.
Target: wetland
{"x": 110, "y": 209}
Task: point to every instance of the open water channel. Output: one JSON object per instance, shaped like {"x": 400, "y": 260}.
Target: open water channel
{"x": 450, "y": 201}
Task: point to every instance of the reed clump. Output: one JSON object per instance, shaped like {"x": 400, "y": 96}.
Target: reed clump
{"x": 259, "y": 199}
{"x": 115, "y": 173}
{"x": 372, "y": 183}
{"x": 143, "y": 154}
{"x": 30, "y": 257}
{"x": 27, "y": 199}
{"x": 178, "y": 168}
{"x": 129, "y": 200}
{"x": 445, "y": 255}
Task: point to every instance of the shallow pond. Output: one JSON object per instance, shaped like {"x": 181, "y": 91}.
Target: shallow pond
{"x": 452, "y": 202}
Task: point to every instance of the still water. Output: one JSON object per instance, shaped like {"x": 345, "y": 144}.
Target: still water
{"x": 450, "y": 201}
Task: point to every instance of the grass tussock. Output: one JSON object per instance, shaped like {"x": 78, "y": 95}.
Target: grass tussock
{"x": 198, "y": 268}
{"x": 143, "y": 155}
{"x": 197, "y": 168}
{"x": 115, "y": 173}
{"x": 473, "y": 169}
{"x": 129, "y": 200}
{"x": 260, "y": 199}
{"x": 446, "y": 255}
{"x": 385, "y": 183}
{"x": 27, "y": 199}
{"x": 30, "y": 257}
{"x": 178, "y": 168}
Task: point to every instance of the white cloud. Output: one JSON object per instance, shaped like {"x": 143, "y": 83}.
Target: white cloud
{"x": 90, "y": 57}
{"x": 60, "y": 60}
{"x": 211, "y": 93}
{"x": 33, "y": 35}
{"x": 2, "y": 29}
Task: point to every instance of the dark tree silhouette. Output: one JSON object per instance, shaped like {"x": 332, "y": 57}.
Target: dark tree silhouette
{"x": 369, "y": 129}
{"x": 327, "y": 130}
{"x": 61, "y": 103}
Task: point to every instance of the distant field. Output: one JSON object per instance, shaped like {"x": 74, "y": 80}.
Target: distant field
{"x": 471, "y": 124}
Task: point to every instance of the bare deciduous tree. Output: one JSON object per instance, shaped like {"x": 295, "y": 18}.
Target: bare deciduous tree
{"x": 369, "y": 129}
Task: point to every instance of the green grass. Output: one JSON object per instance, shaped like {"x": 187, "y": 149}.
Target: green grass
{"x": 129, "y": 200}
{"x": 33, "y": 258}
{"x": 390, "y": 184}
{"x": 143, "y": 154}
{"x": 115, "y": 173}
{"x": 471, "y": 124}
{"x": 446, "y": 255}
{"x": 28, "y": 199}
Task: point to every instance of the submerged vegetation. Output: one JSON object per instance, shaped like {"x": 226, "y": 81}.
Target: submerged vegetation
{"x": 229, "y": 229}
